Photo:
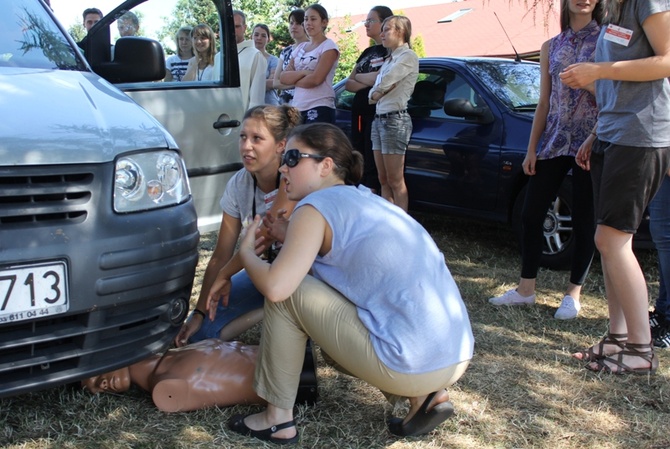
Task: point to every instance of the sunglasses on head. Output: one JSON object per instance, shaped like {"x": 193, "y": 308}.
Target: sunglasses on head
{"x": 292, "y": 157}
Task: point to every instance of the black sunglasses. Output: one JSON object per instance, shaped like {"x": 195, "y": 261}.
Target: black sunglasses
{"x": 292, "y": 157}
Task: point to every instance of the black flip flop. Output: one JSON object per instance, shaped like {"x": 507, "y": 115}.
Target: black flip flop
{"x": 423, "y": 421}
{"x": 236, "y": 424}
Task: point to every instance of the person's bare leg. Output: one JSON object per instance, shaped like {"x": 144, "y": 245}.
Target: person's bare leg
{"x": 383, "y": 180}
{"x": 574, "y": 290}
{"x": 526, "y": 287}
{"x": 241, "y": 324}
{"x": 626, "y": 289}
{"x": 416, "y": 402}
{"x": 395, "y": 174}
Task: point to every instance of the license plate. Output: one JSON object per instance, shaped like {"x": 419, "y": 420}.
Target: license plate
{"x": 33, "y": 291}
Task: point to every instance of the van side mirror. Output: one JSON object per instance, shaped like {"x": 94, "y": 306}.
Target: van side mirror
{"x": 460, "y": 107}
{"x": 135, "y": 59}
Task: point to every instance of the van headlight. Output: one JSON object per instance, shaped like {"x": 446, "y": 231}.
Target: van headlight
{"x": 149, "y": 180}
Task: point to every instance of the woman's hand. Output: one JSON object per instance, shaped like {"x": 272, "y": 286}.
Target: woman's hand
{"x": 581, "y": 75}
{"x": 583, "y": 156}
{"x": 220, "y": 291}
{"x": 276, "y": 226}
{"x": 529, "y": 163}
{"x": 190, "y": 327}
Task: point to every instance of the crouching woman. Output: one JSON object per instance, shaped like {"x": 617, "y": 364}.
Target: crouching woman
{"x": 365, "y": 281}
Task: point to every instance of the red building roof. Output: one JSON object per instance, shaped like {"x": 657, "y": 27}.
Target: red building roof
{"x": 470, "y": 27}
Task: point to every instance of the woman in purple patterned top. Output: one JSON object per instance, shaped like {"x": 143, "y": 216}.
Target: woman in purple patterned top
{"x": 563, "y": 120}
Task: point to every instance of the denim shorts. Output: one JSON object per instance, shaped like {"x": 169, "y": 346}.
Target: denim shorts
{"x": 391, "y": 132}
{"x": 625, "y": 179}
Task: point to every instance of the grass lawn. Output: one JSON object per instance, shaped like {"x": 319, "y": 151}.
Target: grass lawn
{"x": 522, "y": 389}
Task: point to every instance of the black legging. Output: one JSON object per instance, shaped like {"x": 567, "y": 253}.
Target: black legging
{"x": 542, "y": 189}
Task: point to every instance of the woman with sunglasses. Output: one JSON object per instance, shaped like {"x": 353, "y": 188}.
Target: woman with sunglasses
{"x": 390, "y": 314}
{"x": 253, "y": 190}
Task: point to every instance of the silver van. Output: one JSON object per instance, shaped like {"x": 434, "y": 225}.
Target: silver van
{"x": 98, "y": 227}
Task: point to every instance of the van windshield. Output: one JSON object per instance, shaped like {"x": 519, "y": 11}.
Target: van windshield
{"x": 29, "y": 38}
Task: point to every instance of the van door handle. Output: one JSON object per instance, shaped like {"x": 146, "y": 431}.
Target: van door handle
{"x": 226, "y": 124}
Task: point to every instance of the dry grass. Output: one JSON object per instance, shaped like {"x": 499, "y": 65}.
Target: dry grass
{"x": 522, "y": 389}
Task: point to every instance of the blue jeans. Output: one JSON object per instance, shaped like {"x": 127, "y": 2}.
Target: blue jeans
{"x": 244, "y": 297}
{"x": 659, "y": 226}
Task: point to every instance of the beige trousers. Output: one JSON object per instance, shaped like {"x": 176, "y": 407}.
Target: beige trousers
{"x": 318, "y": 311}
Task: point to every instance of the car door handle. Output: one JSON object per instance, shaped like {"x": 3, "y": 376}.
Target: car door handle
{"x": 226, "y": 124}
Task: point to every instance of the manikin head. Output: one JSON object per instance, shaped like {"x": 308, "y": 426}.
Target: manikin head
{"x": 116, "y": 381}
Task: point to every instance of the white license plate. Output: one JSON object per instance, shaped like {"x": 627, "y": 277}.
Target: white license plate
{"x": 33, "y": 291}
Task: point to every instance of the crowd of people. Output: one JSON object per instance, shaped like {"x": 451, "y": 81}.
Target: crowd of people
{"x": 302, "y": 242}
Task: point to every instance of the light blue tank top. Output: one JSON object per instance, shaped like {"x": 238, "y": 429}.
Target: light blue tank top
{"x": 388, "y": 265}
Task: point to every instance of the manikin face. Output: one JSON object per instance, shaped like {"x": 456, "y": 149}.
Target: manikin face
{"x": 115, "y": 381}
{"x": 258, "y": 148}
{"x": 90, "y": 20}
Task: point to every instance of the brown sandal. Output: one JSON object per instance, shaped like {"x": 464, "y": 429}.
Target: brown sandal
{"x": 589, "y": 355}
{"x": 641, "y": 350}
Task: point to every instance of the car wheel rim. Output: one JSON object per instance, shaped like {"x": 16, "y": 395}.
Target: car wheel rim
{"x": 557, "y": 229}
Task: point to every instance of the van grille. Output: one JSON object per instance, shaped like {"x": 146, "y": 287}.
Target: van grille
{"x": 40, "y": 196}
{"x": 33, "y": 353}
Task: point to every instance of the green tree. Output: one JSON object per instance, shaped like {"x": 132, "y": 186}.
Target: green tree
{"x": 189, "y": 12}
{"x": 418, "y": 46}
{"x": 77, "y": 31}
{"x": 347, "y": 42}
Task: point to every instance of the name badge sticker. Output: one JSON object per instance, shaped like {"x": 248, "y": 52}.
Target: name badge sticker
{"x": 618, "y": 35}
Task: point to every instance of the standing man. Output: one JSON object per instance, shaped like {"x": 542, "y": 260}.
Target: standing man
{"x": 91, "y": 17}
{"x": 253, "y": 64}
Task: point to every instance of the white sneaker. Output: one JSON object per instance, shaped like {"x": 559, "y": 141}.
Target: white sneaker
{"x": 568, "y": 309}
{"x": 512, "y": 298}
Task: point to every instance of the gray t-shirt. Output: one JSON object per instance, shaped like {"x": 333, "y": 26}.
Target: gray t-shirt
{"x": 632, "y": 113}
{"x": 238, "y": 198}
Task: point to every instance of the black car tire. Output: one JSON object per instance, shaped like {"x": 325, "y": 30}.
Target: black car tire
{"x": 558, "y": 235}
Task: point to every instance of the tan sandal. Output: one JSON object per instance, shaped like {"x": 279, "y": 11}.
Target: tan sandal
{"x": 641, "y": 350}
{"x": 589, "y": 355}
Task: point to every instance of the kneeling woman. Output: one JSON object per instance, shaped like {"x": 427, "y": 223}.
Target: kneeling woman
{"x": 365, "y": 281}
